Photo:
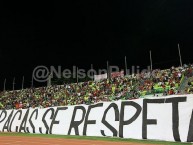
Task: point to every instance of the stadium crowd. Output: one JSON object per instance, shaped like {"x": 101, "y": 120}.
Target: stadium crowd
{"x": 134, "y": 86}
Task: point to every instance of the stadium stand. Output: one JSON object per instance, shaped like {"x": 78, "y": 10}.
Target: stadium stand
{"x": 176, "y": 80}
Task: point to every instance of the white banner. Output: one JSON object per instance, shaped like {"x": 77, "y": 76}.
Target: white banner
{"x": 100, "y": 77}
{"x": 165, "y": 118}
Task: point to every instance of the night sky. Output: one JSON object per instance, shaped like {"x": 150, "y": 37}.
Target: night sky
{"x": 91, "y": 32}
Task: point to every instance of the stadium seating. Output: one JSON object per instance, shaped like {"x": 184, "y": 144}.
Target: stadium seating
{"x": 164, "y": 82}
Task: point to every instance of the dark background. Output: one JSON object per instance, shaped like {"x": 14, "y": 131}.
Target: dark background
{"x": 91, "y": 32}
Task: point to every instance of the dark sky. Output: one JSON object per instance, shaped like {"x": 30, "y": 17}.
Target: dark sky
{"x": 84, "y": 32}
